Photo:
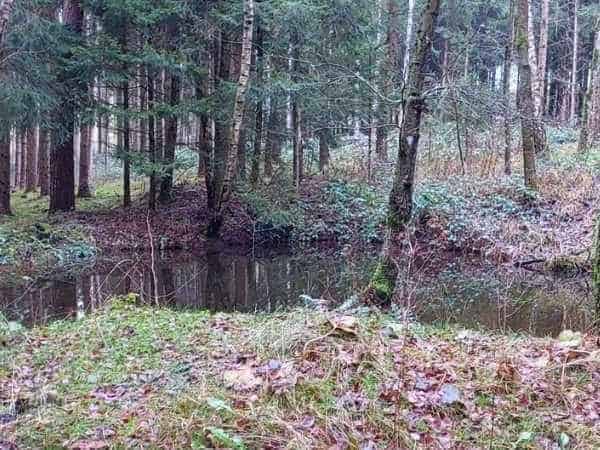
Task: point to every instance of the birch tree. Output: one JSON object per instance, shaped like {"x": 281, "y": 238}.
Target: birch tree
{"x": 223, "y": 190}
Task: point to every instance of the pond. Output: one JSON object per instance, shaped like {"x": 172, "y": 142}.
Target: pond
{"x": 486, "y": 297}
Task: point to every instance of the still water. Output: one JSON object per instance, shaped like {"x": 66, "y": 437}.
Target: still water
{"x": 524, "y": 302}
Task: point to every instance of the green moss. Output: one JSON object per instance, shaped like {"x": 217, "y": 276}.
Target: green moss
{"x": 383, "y": 282}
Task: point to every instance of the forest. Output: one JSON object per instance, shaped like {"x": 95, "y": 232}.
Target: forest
{"x": 300, "y": 224}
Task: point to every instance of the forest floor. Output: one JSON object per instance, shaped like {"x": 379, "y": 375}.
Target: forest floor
{"x": 137, "y": 377}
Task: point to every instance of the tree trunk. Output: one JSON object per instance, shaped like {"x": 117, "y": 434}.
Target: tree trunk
{"x": 508, "y": 56}
{"x": 583, "y": 143}
{"x": 22, "y": 142}
{"x": 574, "y": 85}
{"x": 85, "y": 161}
{"x": 409, "y": 33}
{"x": 4, "y": 169}
{"x": 273, "y": 146}
{"x": 126, "y": 121}
{"x": 43, "y": 163}
{"x": 231, "y": 156}
{"x": 393, "y": 52}
{"x": 151, "y": 138}
{"x": 258, "y": 134}
{"x": 171, "y": 122}
{"x": 383, "y": 282}
{"x": 30, "y": 173}
{"x": 6, "y": 8}
{"x": 62, "y": 170}
{"x": 526, "y": 106}
{"x": 533, "y": 59}
{"x": 323, "y": 151}
{"x": 542, "y": 58}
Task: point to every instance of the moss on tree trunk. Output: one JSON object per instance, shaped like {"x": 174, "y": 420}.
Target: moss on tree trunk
{"x": 383, "y": 282}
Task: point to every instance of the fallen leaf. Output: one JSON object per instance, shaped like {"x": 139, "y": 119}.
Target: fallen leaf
{"x": 347, "y": 324}
{"x": 242, "y": 379}
{"x": 89, "y": 445}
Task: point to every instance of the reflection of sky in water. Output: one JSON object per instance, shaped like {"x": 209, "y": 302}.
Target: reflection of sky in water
{"x": 216, "y": 282}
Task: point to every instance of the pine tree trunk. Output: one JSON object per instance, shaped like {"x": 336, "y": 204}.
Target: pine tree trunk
{"x": 85, "y": 161}
{"x": 323, "y": 151}
{"x": 126, "y": 146}
{"x": 543, "y": 58}
{"x": 43, "y": 167}
{"x": 508, "y": 56}
{"x": 62, "y": 170}
{"x": 152, "y": 123}
{"x": 383, "y": 282}
{"x": 574, "y": 84}
{"x": 526, "y": 106}
{"x": 30, "y": 174}
{"x": 258, "y": 134}
{"x": 171, "y": 123}
{"x": 125, "y": 99}
{"x": 4, "y": 171}
{"x": 22, "y": 141}
{"x": 583, "y": 143}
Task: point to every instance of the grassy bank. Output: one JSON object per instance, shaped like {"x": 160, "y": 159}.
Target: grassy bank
{"x": 132, "y": 376}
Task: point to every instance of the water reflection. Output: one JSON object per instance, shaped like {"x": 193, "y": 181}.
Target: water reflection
{"x": 218, "y": 282}
{"x": 215, "y": 282}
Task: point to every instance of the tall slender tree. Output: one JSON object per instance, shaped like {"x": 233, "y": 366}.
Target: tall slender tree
{"x": 62, "y": 170}
{"x": 6, "y": 8}
{"x": 401, "y": 197}
{"x": 526, "y": 105}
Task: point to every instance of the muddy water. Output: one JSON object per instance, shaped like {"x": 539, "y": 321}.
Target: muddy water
{"x": 511, "y": 302}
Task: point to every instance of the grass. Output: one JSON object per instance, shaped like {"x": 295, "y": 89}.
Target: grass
{"x": 134, "y": 376}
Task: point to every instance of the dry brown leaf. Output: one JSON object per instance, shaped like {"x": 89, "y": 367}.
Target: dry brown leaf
{"x": 242, "y": 379}
{"x": 347, "y": 324}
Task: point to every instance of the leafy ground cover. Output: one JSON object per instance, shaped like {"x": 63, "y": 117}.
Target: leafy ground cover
{"x": 132, "y": 376}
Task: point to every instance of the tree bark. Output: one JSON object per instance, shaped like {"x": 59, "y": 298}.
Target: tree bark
{"x": 574, "y": 85}
{"x": 150, "y": 80}
{"x": 62, "y": 170}
{"x": 240, "y": 99}
{"x": 533, "y": 58}
{"x": 258, "y": 133}
{"x": 171, "y": 122}
{"x": 85, "y": 161}
{"x": 383, "y": 282}
{"x": 526, "y": 106}
{"x": 30, "y": 173}
{"x": 324, "y": 151}
{"x": 582, "y": 145}
{"x": 542, "y": 58}
{"x": 22, "y": 143}
{"x": 4, "y": 170}
{"x": 6, "y": 8}
{"x": 43, "y": 162}
{"x": 508, "y": 57}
